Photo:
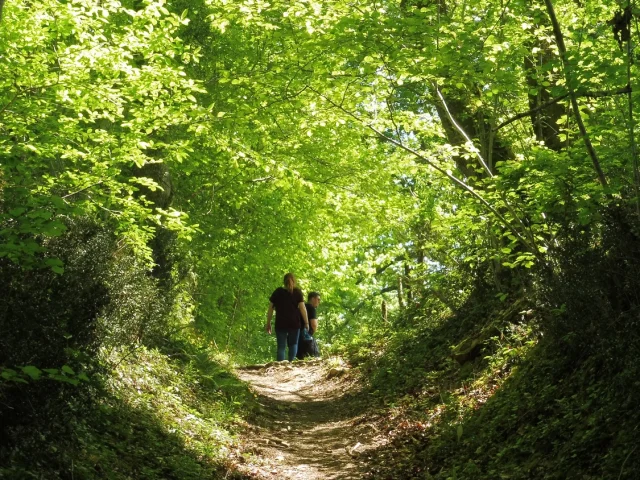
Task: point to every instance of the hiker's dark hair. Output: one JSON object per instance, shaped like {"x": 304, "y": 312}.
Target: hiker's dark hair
{"x": 312, "y": 295}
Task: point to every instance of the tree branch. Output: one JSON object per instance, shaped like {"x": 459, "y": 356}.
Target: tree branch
{"x": 83, "y": 189}
{"x": 632, "y": 137}
{"x": 430, "y": 163}
{"x": 533, "y": 110}
{"x": 572, "y": 94}
{"x": 526, "y": 232}
{"x": 464, "y": 134}
{"x": 600, "y": 93}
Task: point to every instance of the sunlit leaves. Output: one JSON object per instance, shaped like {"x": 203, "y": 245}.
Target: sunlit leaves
{"x": 85, "y": 87}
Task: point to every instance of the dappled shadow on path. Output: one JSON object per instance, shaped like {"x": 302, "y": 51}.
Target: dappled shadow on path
{"x": 308, "y": 426}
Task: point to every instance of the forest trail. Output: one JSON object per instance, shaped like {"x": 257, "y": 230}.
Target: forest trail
{"x": 309, "y": 425}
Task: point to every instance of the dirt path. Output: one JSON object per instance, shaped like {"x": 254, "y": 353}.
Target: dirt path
{"x": 309, "y": 425}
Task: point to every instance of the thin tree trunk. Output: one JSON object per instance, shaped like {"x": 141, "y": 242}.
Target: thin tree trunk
{"x": 572, "y": 94}
{"x": 249, "y": 333}
{"x": 407, "y": 275}
{"x": 543, "y": 111}
{"x": 400, "y": 299}
{"x": 632, "y": 138}
{"x": 232, "y": 320}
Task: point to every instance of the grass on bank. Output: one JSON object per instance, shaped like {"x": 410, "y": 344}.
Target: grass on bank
{"x": 156, "y": 415}
{"x": 521, "y": 406}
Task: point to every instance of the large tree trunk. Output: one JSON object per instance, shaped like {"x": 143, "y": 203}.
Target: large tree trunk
{"x": 544, "y": 121}
{"x": 476, "y": 126}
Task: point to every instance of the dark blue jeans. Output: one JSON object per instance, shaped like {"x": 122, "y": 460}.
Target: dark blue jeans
{"x": 287, "y": 337}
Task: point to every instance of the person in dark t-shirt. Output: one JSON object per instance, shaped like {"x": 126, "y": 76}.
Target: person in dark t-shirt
{"x": 313, "y": 300}
{"x": 288, "y": 303}
{"x": 305, "y": 347}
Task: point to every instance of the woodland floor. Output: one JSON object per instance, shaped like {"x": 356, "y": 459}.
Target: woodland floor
{"x": 310, "y": 425}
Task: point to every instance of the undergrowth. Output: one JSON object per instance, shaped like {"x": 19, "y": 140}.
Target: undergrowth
{"x": 524, "y": 407}
{"x": 156, "y": 415}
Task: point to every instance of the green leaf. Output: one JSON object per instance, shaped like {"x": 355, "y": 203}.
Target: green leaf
{"x": 56, "y": 265}
{"x": 34, "y": 372}
{"x": 32, "y": 148}
{"x": 8, "y": 373}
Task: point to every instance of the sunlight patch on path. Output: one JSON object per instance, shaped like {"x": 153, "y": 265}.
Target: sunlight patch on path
{"x": 308, "y": 427}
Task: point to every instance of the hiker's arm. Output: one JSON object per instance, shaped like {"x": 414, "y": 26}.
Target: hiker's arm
{"x": 267, "y": 327}
{"x": 314, "y": 324}
{"x": 303, "y": 311}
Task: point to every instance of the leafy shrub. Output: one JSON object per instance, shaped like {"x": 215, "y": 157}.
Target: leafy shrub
{"x": 60, "y": 325}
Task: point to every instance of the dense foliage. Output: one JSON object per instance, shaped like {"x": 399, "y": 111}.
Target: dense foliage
{"x": 460, "y": 181}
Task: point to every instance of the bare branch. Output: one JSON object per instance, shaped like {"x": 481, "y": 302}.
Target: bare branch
{"x": 605, "y": 93}
{"x": 596, "y": 94}
{"x": 507, "y": 204}
{"x": 463, "y": 133}
{"x": 533, "y": 110}
{"x": 433, "y": 165}
{"x": 262, "y": 179}
{"x": 83, "y": 189}
{"x": 572, "y": 94}
{"x": 393, "y": 121}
